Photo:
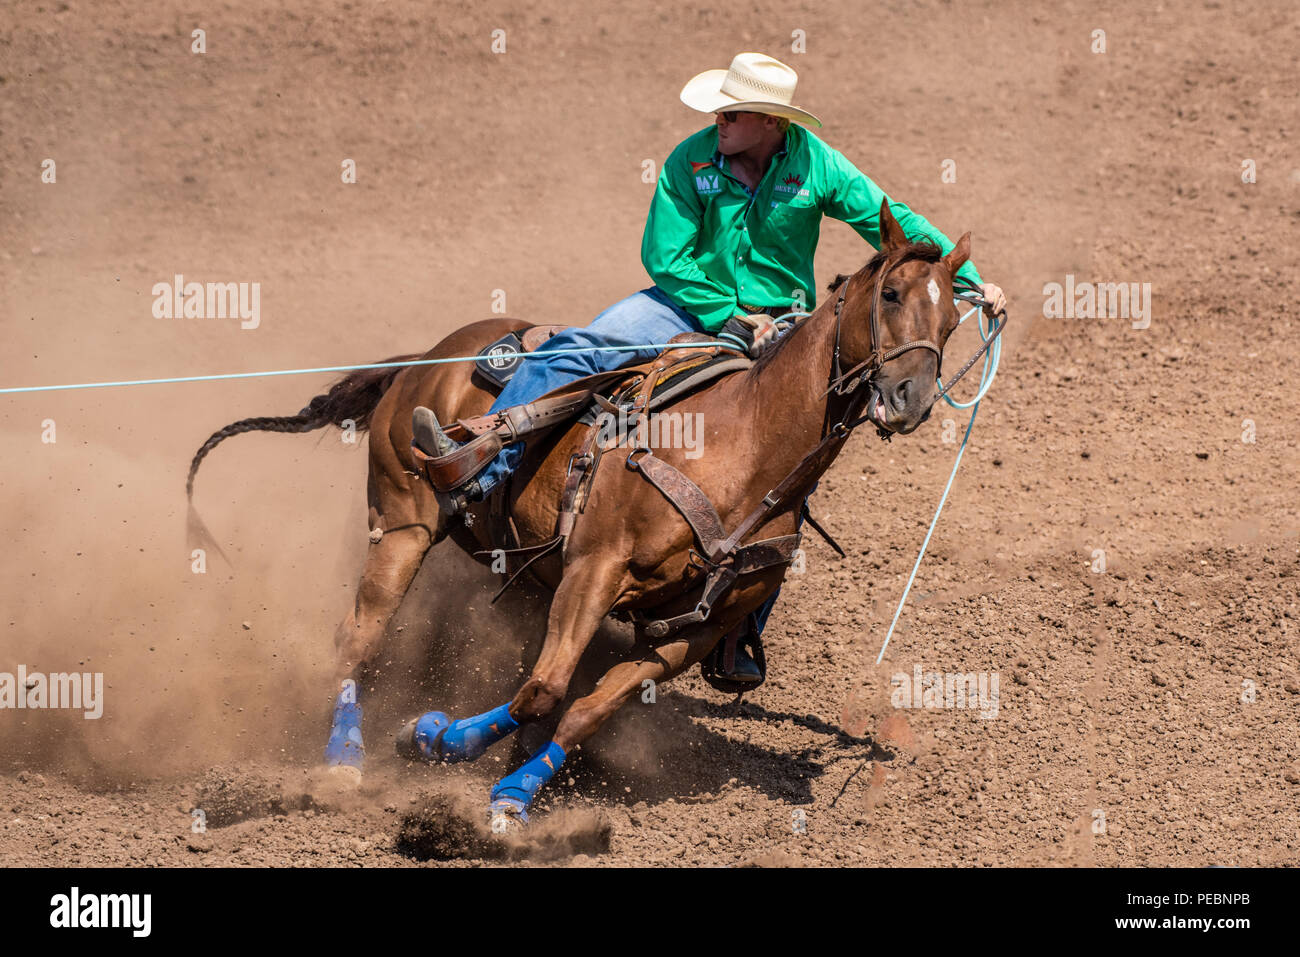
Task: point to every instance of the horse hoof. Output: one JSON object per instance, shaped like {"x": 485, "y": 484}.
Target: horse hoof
{"x": 345, "y": 775}
{"x": 418, "y": 739}
{"x": 507, "y": 814}
{"x": 405, "y": 741}
{"x": 330, "y": 783}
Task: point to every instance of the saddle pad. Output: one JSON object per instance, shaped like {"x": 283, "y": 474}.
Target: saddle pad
{"x": 499, "y": 361}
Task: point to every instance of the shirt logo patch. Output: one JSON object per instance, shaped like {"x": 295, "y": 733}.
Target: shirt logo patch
{"x": 696, "y": 167}
{"x": 708, "y": 184}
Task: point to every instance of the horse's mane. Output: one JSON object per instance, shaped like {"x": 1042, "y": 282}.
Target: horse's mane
{"x": 924, "y": 250}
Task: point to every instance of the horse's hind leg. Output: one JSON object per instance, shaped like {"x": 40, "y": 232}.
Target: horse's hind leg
{"x": 398, "y": 544}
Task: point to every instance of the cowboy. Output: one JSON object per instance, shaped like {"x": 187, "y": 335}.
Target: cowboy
{"x": 729, "y": 244}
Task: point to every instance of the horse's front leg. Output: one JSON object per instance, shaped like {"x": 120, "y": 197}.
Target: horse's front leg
{"x": 582, "y": 600}
{"x": 516, "y": 792}
{"x": 628, "y": 679}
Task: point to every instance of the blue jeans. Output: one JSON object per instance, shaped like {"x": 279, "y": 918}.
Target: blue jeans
{"x": 648, "y": 316}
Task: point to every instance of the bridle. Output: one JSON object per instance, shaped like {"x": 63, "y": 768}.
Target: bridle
{"x": 864, "y": 373}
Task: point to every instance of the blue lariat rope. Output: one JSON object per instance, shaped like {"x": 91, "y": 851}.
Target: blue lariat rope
{"x": 371, "y": 365}
{"x": 987, "y": 373}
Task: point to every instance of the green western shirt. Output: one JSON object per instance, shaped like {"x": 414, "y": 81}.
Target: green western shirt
{"x": 710, "y": 244}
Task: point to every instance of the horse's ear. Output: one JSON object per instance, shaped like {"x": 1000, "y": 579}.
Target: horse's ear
{"x": 960, "y": 253}
{"x": 891, "y": 234}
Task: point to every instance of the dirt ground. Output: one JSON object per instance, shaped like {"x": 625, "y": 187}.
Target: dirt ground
{"x": 1147, "y": 711}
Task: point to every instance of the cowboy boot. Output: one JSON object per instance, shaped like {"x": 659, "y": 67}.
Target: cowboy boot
{"x": 730, "y": 667}
{"x": 743, "y": 667}
{"x": 430, "y": 439}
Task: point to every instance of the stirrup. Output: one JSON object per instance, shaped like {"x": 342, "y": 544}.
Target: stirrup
{"x": 456, "y": 503}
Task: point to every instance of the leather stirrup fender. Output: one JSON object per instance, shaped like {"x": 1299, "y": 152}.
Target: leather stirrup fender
{"x": 446, "y": 473}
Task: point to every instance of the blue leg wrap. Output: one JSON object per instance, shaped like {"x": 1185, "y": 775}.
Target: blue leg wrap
{"x": 515, "y": 792}
{"x": 467, "y": 739}
{"x": 344, "y": 747}
{"x": 428, "y": 728}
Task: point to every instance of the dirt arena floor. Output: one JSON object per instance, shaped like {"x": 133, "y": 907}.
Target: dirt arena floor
{"x": 1147, "y": 710}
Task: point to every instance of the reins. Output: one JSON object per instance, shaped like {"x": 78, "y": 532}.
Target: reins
{"x": 990, "y": 347}
{"x": 840, "y": 431}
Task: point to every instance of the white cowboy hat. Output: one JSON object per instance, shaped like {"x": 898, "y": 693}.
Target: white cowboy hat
{"x": 755, "y": 83}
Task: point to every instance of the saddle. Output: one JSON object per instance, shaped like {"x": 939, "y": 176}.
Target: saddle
{"x": 630, "y": 393}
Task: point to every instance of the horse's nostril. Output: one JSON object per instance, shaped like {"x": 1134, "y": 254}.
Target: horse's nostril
{"x": 899, "y": 394}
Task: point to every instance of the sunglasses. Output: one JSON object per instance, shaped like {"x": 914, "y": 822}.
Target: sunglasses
{"x": 731, "y": 115}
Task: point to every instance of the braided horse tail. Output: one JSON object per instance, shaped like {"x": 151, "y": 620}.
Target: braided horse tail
{"x": 352, "y": 397}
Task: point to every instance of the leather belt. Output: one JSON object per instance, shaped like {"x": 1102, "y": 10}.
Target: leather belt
{"x": 780, "y": 310}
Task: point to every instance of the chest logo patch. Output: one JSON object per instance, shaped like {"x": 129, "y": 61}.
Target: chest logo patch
{"x": 792, "y": 185}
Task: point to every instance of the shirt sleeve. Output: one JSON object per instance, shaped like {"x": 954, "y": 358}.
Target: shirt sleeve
{"x": 668, "y": 249}
{"x": 853, "y": 198}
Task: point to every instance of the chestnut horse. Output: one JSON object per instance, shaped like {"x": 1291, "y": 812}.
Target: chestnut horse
{"x": 630, "y": 549}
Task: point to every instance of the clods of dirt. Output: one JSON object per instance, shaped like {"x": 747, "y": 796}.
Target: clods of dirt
{"x": 229, "y": 795}
{"x": 446, "y": 827}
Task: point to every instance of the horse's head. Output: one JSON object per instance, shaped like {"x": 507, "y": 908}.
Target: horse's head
{"x": 909, "y": 285}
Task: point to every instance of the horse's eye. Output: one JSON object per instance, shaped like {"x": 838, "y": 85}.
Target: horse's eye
{"x": 889, "y": 295}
